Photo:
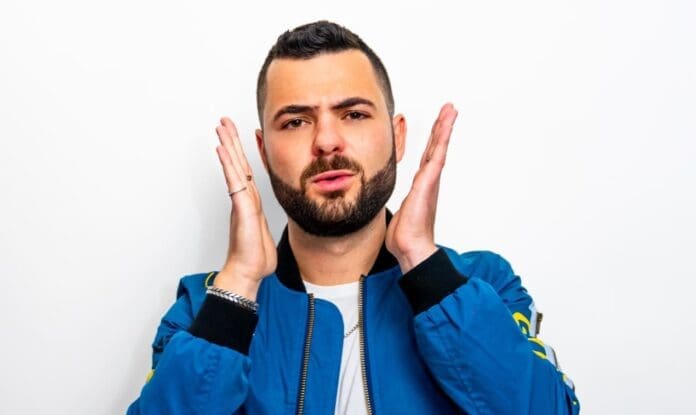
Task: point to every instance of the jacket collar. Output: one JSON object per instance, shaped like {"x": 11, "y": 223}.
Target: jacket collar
{"x": 289, "y": 274}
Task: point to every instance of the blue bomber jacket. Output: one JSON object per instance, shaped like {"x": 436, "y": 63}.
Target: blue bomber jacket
{"x": 456, "y": 334}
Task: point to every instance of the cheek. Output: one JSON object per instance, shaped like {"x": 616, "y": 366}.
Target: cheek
{"x": 376, "y": 152}
{"x": 287, "y": 165}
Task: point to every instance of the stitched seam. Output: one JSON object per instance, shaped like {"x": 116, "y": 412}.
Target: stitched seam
{"x": 450, "y": 355}
{"x": 205, "y": 386}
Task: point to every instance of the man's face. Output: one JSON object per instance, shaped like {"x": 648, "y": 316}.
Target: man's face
{"x": 328, "y": 142}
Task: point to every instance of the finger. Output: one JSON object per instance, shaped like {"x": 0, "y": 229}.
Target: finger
{"x": 226, "y": 140}
{"x": 427, "y": 178}
{"x": 441, "y": 143}
{"x": 231, "y": 176}
{"x": 236, "y": 142}
{"x": 231, "y": 136}
{"x": 430, "y": 137}
{"x": 448, "y": 114}
{"x": 434, "y": 133}
{"x": 234, "y": 182}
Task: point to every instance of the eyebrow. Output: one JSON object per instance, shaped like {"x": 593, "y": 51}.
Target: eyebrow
{"x": 300, "y": 109}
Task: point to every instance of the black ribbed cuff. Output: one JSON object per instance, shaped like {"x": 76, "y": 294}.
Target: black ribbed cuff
{"x": 431, "y": 281}
{"x": 225, "y": 323}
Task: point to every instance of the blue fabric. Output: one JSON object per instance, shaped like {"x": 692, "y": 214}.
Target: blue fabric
{"x": 466, "y": 354}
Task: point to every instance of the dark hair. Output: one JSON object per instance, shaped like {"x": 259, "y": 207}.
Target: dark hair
{"x": 312, "y": 39}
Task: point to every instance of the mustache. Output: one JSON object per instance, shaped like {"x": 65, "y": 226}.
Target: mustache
{"x": 337, "y": 162}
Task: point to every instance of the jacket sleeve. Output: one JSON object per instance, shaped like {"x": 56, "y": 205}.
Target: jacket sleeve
{"x": 477, "y": 335}
{"x": 200, "y": 363}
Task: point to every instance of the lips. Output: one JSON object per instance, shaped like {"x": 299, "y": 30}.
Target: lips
{"x": 331, "y": 175}
{"x": 333, "y": 180}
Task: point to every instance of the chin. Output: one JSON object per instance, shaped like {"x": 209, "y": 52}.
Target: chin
{"x": 335, "y": 211}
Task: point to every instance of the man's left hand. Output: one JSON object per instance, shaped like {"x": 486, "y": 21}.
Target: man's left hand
{"x": 410, "y": 235}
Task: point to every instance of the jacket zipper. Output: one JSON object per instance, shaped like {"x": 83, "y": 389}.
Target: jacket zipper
{"x": 363, "y": 350}
{"x": 363, "y": 345}
{"x": 305, "y": 355}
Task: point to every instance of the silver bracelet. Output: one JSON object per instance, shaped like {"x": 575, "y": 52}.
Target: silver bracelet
{"x": 235, "y": 298}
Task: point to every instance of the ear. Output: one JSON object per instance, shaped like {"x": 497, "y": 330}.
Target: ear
{"x": 399, "y": 126}
{"x": 261, "y": 147}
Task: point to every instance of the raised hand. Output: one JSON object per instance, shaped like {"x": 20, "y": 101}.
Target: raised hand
{"x": 410, "y": 235}
{"x": 251, "y": 254}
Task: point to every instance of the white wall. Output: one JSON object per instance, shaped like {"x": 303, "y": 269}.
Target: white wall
{"x": 573, "y": 156}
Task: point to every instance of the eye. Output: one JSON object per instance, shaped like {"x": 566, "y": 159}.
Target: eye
{"x": 355, "y": 115}
{"x": 293, "y": 124}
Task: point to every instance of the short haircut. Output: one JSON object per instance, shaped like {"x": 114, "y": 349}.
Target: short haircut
{"x": 312, "y": 39}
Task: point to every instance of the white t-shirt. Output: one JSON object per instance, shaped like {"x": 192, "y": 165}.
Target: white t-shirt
{"x": 350, "y": 398}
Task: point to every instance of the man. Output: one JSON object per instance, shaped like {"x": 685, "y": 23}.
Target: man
{"x": 356, "y": 311}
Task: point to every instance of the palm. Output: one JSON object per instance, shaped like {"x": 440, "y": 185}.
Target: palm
{"x": 410, "y": 235}
{"x": 251, "y": 254}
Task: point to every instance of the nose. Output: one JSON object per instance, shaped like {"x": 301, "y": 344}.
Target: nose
{"x": 328, "y": 139}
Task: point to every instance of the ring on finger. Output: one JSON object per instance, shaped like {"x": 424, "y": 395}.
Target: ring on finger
{"x": 237, "y": 191}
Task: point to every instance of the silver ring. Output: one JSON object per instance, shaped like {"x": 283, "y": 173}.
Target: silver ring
{"x": 237, "y": 191}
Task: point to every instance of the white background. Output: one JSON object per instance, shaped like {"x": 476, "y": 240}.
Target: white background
{"x": 573, "y": 156}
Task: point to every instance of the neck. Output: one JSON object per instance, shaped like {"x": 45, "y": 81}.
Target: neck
{"x": 337, "y": 260}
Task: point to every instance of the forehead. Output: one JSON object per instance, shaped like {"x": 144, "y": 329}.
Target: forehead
{"x": 322, "y": 80}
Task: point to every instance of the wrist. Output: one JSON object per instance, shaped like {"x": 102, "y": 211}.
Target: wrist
{"x": 228, "y": 281}
{"x": 411, "y": 259}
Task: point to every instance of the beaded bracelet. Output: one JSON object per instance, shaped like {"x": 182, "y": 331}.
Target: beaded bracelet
{"x": 235, "y": 298}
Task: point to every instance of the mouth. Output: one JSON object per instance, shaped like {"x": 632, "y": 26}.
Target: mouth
{"x": 331, "y": 175}
{"x": 333, "y": 180}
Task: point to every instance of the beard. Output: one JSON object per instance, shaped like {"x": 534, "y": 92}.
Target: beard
{"x": 336, "y": 216}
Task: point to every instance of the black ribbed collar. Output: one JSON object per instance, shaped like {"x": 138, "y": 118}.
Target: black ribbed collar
{"x": 289, "y": 274}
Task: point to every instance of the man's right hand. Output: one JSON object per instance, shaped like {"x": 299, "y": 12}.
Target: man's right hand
{"x": 252, "y": 252}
